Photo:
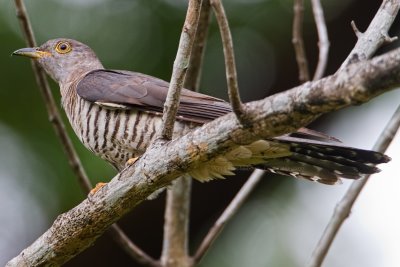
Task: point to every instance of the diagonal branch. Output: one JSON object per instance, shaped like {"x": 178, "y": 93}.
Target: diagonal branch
{"x": 297, "y": 40}
{"x": 376, "y": 34}
{"x": 77, "y": 229}
{"x": 369, "y": 42}
{"x": 180, "y": 67}
{"x": 228, "y": 213}
{"x": 323, "y": 42}
{"x": 230, "y": 65}
{"x": 54, "y": 117}
{"x": 343, "y": 208}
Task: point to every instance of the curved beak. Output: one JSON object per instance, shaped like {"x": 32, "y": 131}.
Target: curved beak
{"x": 32, "y": 52}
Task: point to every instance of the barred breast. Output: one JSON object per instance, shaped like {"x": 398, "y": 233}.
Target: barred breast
{"x": 114, "y": 135}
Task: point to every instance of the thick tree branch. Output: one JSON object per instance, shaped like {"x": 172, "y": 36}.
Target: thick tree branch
{"x": 77, "y": 229}
{"x": 323, "y": 42}
{"x": 230, "y": 65}
{"x": 297, "y": 40}
{"x": 343, "y": 208}
{"x": 228, "y": 213}
{"x": 376, "y": 34}
{"x": 54, "y": 117}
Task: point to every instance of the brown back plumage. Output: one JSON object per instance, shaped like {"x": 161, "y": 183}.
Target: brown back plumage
{"x": 147, "y": 93}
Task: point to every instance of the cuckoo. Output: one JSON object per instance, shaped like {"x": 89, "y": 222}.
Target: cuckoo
{"x": 116, "y": 114}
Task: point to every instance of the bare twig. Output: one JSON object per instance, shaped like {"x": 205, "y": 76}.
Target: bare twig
{"x": 367, "y": 44}
{"x": 59, "y": 127}
{"x": 323, "y": 42}
{"x": 176, "y": 233}
{"x": 54, "y": 115}
{"x": 297, "y": 40}
{"x": 376, "y": 34}
{"x": 193, "y": 74}
{"x": 230, "y": 65}
{"x": 71, "y": 233}
{"x": 343, "y": 208}
{"x": 175, "y": 242}
{"x": 180, "y": 68}
{"x": 247, "y": 187}
{"x": 177, "y": 209}
{"x": 131, "y": 249}
{"x": 228, "y": 213}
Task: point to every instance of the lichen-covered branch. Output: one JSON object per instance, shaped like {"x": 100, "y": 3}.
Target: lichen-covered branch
{"x": 376, "y": 34}
{"x": 77, "y": 229}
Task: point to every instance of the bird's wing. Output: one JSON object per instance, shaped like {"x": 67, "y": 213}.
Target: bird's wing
{"x": 127, "y": 90}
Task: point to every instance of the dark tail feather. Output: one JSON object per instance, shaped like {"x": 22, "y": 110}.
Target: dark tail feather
{"x": 324, "y": 162}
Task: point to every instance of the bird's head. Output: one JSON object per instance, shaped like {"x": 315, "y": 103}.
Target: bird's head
{"x": 63, "y": 59}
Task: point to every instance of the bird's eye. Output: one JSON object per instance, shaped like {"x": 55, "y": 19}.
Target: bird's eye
{"x": 63, "y": 47}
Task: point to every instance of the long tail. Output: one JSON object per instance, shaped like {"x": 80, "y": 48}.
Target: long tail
{"x": 324, "y": 162}
{"x": 316, "y": 160}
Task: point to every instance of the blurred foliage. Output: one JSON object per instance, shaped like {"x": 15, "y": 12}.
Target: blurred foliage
{"x": 142, "y": 35}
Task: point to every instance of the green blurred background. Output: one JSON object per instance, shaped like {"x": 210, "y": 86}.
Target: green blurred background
{"x": 282, "y": 221}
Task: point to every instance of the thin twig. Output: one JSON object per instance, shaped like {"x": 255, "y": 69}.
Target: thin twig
{"x": 177, "y": 211}
{"x": 376, "y": 34}
{"x": 176, "y": 224}
{"x": 297, "y": 40}
{"x": 180, "y": 67}
{"x": 228, "y": 213}
{"x": 193, "y": 74}
{"x": 323, "y": 42}
{"x": 53, "y": 113}
{"x": 131, "y": 249}
{"x": 230, "y": 65}
{"x": 175, "y": 242}
{"x": 59, "y": 127}
{"x": 343, "y": 208}
{"x": 367, "y": 44}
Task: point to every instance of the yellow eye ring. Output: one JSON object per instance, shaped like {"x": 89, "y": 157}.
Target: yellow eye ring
{"x": 63, "y": 47}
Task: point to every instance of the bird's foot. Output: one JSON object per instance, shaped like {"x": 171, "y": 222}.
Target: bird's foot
{"x": 96, "y": 188}
{"x": 131, "y": 161}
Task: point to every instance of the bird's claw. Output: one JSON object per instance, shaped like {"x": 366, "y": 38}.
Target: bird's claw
{"x": 131, "y": 161}
{"x": 96, "y": 188}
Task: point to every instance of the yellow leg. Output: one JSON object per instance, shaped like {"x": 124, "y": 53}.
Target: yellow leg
{"x": 131, "y": 161}
{"x": 96, "y": 188}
